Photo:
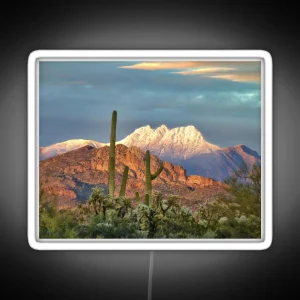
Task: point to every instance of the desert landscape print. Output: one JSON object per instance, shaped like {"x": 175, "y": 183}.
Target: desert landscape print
{"x": 150, "y": 149}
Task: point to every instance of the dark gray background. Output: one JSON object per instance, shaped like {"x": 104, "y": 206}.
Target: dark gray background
{"x": 149, "y": 25}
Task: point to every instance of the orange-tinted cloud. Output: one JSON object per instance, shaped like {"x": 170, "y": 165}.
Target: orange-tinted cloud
{"x": 205, "y": 71}
{"x": 241, "y": 77}
{"x": 242, "y": 71}
{"x": 163, "y": 65}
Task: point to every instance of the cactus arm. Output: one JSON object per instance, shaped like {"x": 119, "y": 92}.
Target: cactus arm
{"x": 148, "y": 173}
{"x": 112, "y": 158}
{"x": 137, "y": 197}
{"x": 124, "y": 182}
{"x": 153, "y": 176}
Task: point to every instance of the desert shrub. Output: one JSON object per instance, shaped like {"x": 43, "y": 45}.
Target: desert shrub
{"x": 210, "y": 213}
{"x": 112, "y": 228}
{"x": 123, "y": 206}
{"x": 100, "y": 202}
{"x": 209, "y": 234}
{"x": 166, "y": 218}
{"x": 55, "y": 223}
{"x": 153, "y": 219}
{"x": 179, "y": 223}
{"x": 245, "y": 187}
{"x": 240, "y": 228}
{"x": 240, "y": 215}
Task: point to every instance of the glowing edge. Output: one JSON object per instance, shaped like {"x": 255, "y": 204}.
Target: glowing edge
{"x": 146, "y": 244}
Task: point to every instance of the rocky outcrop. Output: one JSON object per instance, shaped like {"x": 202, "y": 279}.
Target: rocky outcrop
{"x": 71, "y": 176}
{"x": 196, "y": 181}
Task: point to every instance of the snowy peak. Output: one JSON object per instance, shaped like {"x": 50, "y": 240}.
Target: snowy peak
{"x": 185, "y": 146}
{"x": 63, "y": 147}
{"x": 179, "y": 142}
{"x": 162, "y": 127}
{"x": 162, "y": 130}
{"x": 145, "y": 130}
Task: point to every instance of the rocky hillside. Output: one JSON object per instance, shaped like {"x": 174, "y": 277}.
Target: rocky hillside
{"x": 71, "y": 176}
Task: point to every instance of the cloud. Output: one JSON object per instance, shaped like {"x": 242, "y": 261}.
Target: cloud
{"x": 163, "y": 65}
{"x": 148, "y": 98}
{"x": 239, "y": 77}
{"x": 204, "y": 71}
{"x": 237, "y": 71}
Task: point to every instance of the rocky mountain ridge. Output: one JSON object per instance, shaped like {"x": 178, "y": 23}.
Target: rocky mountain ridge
{"x": 72, "y": 175}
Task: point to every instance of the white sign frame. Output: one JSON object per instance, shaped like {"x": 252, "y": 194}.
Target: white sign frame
{"x": 151, "y": 244}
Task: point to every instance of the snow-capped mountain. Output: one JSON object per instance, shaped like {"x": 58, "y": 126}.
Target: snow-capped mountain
{"x": 176, "y": 143}
{"x": 184, "y": 146}
{"x": 63, "y": 147}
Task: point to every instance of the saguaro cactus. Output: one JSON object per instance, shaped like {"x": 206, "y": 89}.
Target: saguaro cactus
{"x": 150, "y": 177}
{"x": 112, "y": 161}
{"x": 124, "y": 182}
{"x": 112, "y": 158}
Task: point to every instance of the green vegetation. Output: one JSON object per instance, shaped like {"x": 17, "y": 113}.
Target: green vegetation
{"x": 54, "y": 223}
{"x": 103, "y": 217}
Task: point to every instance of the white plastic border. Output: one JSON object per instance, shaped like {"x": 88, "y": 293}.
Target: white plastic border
{"x": 147, "y": 244}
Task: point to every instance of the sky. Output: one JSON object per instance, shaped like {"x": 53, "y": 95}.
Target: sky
{"x": 222, "y": 99}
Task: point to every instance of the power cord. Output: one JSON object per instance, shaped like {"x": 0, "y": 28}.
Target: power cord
{"x": 151, "y": 261}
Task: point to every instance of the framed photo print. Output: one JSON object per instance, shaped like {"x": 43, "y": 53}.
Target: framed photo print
{"x": 150, "y": 150}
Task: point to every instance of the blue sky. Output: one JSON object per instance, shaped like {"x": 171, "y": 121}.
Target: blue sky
{"x": 221, "y": 99}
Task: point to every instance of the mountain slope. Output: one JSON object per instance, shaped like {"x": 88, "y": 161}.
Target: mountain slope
{"x": 72, "y": 175}
{"x": 222, "y": 163}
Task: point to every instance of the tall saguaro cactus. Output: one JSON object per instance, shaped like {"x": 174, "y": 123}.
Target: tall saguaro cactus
{"x": 112, "y": 158}
{"x": 150, "y": 177}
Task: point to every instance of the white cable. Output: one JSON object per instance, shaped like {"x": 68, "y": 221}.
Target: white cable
{"x": 150, "y": 275}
